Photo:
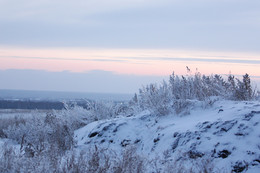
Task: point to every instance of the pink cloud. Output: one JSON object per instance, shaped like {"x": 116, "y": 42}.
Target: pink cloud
{"x": 140, "y": 62}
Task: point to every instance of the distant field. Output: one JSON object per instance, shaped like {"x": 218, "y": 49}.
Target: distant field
{"x": 24, "y": 100}
{"x": 21, "y": 113}
{"x": 60, "y": 96}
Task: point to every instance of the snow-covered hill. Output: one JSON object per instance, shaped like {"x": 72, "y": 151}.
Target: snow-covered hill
{"x": 225, "y": 135}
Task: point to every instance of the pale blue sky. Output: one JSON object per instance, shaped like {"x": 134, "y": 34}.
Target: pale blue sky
{"x": 229, "y": 25}
{"x": 216, "y": 36}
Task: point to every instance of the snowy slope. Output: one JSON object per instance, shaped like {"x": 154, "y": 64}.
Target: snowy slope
{"x": 228, "y": 134}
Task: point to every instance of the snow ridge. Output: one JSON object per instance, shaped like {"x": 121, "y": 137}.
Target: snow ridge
{"x": 227, "y": 134}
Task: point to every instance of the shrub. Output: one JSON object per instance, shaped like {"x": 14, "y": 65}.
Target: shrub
{"x": 175, "y": 96}
{"x": 130, "y": 162}
{"x": 38, "y": 135}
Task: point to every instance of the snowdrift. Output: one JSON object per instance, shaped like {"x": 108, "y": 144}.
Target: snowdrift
{"x": 226, "y": 135}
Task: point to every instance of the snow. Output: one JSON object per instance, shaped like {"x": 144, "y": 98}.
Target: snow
{"x": 210, "y": 131}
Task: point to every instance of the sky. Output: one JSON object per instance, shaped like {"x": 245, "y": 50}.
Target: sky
{"x": 114, "y": 46}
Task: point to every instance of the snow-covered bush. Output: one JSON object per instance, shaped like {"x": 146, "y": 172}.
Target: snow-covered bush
{"x": 91, "y": 161}
{"x": 258, "y": 95}
{"x": 6, "y": 122}
{"x": 182, "y": 106}
{"x": 155, "y": 98}
{"x": 176, "y": 95}
{"x": 40, "y": 135}
{"x": 95, "y": 160}
{"x": 94, "y": 111}
{"x": 74, "y": 116}
{"x": 103, "y": 161}
{"x": 103, "y": 110}
{"x": 53, "y": 132}
{"x": 130, "y": 162}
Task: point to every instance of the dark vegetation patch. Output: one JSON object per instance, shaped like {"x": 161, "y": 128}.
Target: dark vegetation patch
{"x": 156, "y": 140}
{"x": 93, "y": 134}
{"x": 195, "y": 154}
{"x": 240, "y": 166}
{"x": 31, "y": 104}
{"x": 125, "y": 142}
{"x": 223, "y": 154}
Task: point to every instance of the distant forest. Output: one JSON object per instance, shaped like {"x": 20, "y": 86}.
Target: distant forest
{"x": 30, "y": 104}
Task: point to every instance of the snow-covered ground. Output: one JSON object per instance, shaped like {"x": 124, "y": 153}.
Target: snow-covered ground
{"x": 227, "y": 134}
{"x": 21, "y": 113}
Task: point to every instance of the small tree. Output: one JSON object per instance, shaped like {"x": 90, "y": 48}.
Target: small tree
{"x": 244, "y": 89}
{"x": 247, "y": 87}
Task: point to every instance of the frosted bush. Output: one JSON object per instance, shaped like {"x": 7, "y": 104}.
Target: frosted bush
{"x": 175, "y": 96}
